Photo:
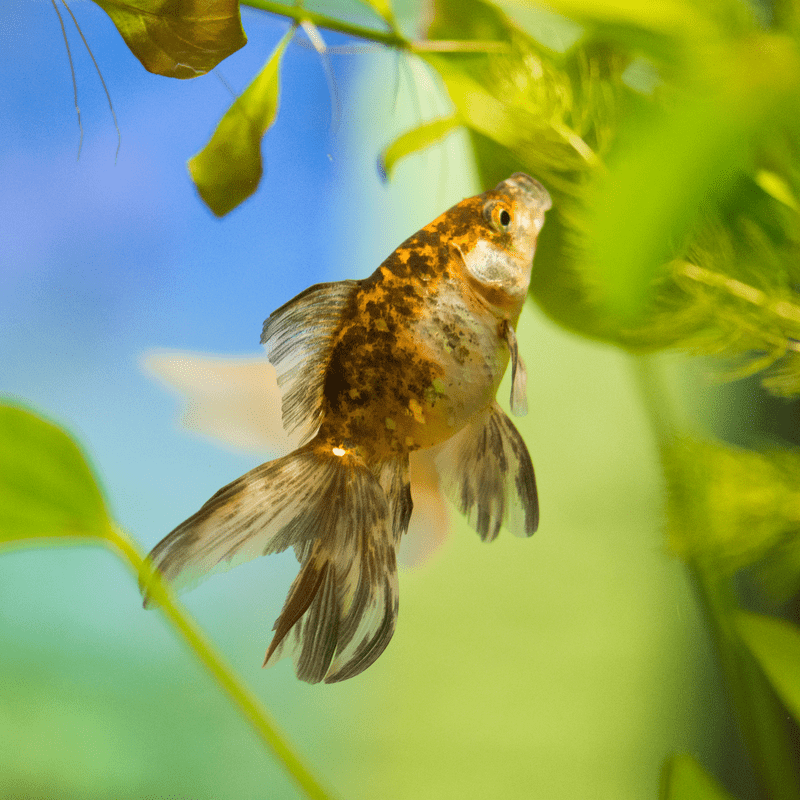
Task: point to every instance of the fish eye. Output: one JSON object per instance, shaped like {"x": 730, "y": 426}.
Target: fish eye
{"x": 500, "y": 217}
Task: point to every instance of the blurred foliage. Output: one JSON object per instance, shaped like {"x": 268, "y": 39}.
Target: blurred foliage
{"x": 667, "y": 135}
{"x": 734, "y": 508}
{"x": 776, "y": 646}
{"x": 47, "y": 489}
{"x": 685, "y": 779}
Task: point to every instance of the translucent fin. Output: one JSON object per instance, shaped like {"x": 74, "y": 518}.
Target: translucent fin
{"x": 487, "y": 472}
{"x": 298, "y": 338}
{"x": 281, "y": 503}
{"x": 393, "y": 476}
{"x": 519, "y": 375}
{"x": 341, "y": 610}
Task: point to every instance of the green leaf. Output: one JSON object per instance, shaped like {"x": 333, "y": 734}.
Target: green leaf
{"x": 775, "y": 644}
{"x": 414, "y": 140}
{"x": 228, "y": 169}
{"x": 684, "y": 779}
{"x": 178, "y": 38}
{"x": 46, "y": 485}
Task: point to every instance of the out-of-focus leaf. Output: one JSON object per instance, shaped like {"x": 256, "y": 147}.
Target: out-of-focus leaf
{"x": 47, "y": 488}
{"x": 383, "y": 8}
{"x": 732, "y": 508}
{"x": 775, "y": 644}
{"x": 178, "y": 38}
{"x": 775, "y": 186}
{"x": 227, "y": 170}
{"x": 416, "y": 139}
{"x": 668, "y": 172}
{"x": 684, "y": 779}
{"x": 669, "y": 17}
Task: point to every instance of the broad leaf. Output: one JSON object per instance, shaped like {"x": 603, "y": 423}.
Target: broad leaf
{"x": 415, "y": 140}
{"x": 228, "y": 169}
{"x": 178, "y": 38}
{"x": 684, "y": 779}
{"x": 46, "y": 486}
{"x": 775, "y": 644}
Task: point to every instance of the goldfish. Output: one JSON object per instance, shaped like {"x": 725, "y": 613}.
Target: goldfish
{"x": 370, "y": 371}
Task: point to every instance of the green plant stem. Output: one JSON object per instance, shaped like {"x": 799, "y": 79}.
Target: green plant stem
{"x": 391, "y": 38}
{"x": 298, "y": 14}
{"x": 761, "y": 719}
{"x": 222, "y": 673}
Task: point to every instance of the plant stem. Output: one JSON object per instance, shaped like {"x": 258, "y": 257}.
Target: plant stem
{"x": 298, "y": 14}
{"x": 222, "y": 673}
{"x": 761, "y": 719}
{"x": 391, "y": 38}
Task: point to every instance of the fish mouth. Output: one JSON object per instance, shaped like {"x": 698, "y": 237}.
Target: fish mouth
{"x": 533, "y": 193}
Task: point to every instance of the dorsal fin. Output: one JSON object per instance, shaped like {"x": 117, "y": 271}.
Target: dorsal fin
{"x": 299, "y": 338}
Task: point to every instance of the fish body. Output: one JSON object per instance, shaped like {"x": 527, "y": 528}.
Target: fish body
{"x": 370, "y": 371}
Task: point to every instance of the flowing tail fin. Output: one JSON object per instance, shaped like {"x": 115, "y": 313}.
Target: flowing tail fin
{"x": 341, "y": 609}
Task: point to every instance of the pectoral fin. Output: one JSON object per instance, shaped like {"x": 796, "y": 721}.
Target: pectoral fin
{"x": 519, "y": 375}
{"x": 487, "y": 472}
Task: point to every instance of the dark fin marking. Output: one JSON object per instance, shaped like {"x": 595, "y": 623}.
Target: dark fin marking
{"x": 301, "y": 595}
{"x": 487, "y": 472}
{"x": 299, "y": 338}
{"x": 99, "y": 75}
{"x": 341, "y": 611}
{"x": 274, "y": 506}
{"x": 72, "y": 72}
{"x": 393, "y": 476}
{"x": 519, "y": 375}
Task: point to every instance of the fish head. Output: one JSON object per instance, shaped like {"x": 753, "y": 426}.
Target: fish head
{"x": 496, "y": 256}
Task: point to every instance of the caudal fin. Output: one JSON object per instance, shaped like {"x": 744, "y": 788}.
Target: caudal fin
{"x": 341, "y": 610}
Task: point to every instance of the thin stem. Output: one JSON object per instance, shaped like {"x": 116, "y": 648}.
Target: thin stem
{"x": 299, "y": 14}
{"x": 222, "y": 673}
{"x": 102, "y": 80}
{"x": 389, "y": 38}
{"x": 72, "y": 71}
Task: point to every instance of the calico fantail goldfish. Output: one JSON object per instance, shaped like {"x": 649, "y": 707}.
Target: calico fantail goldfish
{"x": 371, "y": 370}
